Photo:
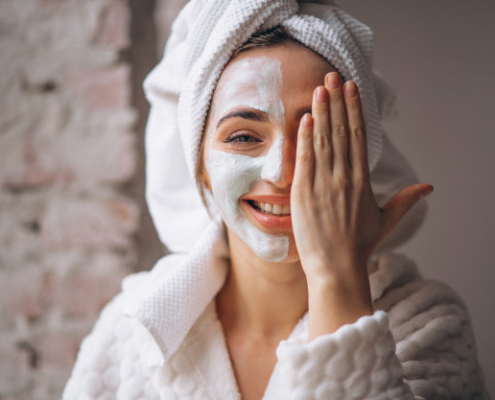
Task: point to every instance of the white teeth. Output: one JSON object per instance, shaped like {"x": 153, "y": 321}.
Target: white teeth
{"x": 276, "y": 209}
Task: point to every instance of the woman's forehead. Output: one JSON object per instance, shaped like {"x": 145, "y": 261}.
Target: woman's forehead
{"x": 292, "y": 58}
{"x": 247, "y": 76}
{"x": 289, "y": 68}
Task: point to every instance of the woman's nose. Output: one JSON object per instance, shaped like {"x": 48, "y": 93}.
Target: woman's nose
{"x": 279, "y": 164}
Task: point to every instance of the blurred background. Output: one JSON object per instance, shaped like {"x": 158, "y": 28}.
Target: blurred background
{"x": 73, "y": 221}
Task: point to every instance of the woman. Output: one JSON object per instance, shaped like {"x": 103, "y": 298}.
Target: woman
{"x": 283, "y": 292}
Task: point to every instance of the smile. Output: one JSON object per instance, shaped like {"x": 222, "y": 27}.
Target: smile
{"x": 270, "y": 208}
{"x": 269, "y": 213}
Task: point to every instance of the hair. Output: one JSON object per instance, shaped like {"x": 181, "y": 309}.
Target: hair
{"x": 269, "y": 38}
{"x": 276, "y": 36}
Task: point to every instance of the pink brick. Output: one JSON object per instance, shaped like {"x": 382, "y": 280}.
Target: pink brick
{"x": 102, "y": 90}
{"x": 27, "y": 160}
{"x": 15, "y": 367}
{"x": 57, "y": 350}
{"x": 67, "y": 132}
{"x": 20, "y": 293}
{"x": 126, "y": 213}
{"x": 113, "y": 28}
{"x": 20, "y": 161}
{"x": 113, "y": 154}
{"x": 89, "y": 223}
{"x": 82, "y": 293}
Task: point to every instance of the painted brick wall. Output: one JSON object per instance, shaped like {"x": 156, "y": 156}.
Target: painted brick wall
{"x": 67, "y": 147}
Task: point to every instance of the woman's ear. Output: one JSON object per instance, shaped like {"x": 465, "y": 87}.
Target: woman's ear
{"x": 203, "y": 178}
{"x": 203, "y": 183}
{"x": 201, "y": 174}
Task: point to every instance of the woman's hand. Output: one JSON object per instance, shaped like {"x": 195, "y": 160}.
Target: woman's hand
{"x": 336, "y": 221}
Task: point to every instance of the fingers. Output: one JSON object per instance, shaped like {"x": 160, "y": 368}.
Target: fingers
{"x": 401, "y": 203}
{"x": 358, "y": 152}
{"x": 338, "y": 123}
{"x": 321, "y": 136}
{"x": 339, "y": 129}
{"x": 305, "y": 158}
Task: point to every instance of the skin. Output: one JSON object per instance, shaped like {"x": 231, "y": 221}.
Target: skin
{"x": 336, "y": 223}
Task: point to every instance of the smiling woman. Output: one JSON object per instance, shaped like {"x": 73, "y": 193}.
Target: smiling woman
{"x": 250, "y": 140}
{"x": 286, "y": 290}
{"x": 245, "y": 150}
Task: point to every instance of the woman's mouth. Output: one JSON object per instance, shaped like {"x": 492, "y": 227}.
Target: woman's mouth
{"x": 270, "y": 208}
{"x": 270, "y": 213}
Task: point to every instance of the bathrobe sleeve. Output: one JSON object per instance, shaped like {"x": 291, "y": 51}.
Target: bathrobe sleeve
{"x": 102, "y": 368}
{"x": 417, "y": 345}
{"x": 96, "y": 371}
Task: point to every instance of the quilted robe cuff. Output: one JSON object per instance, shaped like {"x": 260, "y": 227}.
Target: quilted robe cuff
{"x": 357, "y": 361}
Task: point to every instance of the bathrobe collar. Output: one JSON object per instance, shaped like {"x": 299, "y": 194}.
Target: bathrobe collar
{"x": 181, "y": 288}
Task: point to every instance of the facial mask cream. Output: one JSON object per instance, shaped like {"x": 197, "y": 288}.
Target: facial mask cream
{"x": 255, "y": 83}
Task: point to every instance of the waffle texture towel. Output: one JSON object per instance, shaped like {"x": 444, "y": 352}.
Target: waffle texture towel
{"x": 180, "y": 88}
{"x": 418, "y": 345}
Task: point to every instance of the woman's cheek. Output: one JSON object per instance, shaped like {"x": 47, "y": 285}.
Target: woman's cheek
{"x": 232, "y": 176}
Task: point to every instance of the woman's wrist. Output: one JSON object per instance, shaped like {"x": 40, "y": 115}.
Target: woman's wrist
{"x": 334, "y": 272}
{"x": 337, "y": 299}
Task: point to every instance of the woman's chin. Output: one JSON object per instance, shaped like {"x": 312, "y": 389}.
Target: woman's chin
{"x": 271, "y": 246}
{"x": 275, "y": 255}
{"x": 293, "y": 255}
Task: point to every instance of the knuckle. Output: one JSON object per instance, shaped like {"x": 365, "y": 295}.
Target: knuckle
{"x": 342, "y": 182}
{"x": 359, "y": 133}
{"x": 304, "y": 157}
{"x": 320, "y": 109}
{"x": 339, "y": 130}
{"x": 321, "y": 141}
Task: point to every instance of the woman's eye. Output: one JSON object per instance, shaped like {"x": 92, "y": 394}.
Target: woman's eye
{"x": 241, "y": 138}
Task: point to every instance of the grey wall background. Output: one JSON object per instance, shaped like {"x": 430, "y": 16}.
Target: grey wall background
{"x": 440, "y": 56}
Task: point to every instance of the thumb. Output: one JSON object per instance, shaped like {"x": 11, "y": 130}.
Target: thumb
{"x": 401, "y": 203}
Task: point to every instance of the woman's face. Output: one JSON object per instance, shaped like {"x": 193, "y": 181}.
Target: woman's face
{"x": 250, "y": 143}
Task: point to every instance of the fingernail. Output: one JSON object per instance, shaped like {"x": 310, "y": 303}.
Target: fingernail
{"x": 321, "y": 94}
{"x": 350, "y": 88}
{"x": 307, "y": 120}
{"x": 332, "y": 80}
{"x": 426, "y": 192}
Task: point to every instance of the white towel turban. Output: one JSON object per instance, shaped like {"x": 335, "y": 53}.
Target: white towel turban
{"x": 180, "y": 88}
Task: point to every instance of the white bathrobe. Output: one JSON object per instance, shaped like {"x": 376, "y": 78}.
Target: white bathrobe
{"x": 149, "y": 344}
{"x": 161, "y": 338}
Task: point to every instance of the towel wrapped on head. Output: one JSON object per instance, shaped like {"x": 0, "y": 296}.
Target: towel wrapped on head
{"x": 180, "y": 89}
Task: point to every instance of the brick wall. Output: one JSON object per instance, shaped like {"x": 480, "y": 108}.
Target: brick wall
{"x": 68, "y": 150}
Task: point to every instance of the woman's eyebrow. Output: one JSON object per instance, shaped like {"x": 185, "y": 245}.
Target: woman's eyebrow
{"x": 300, "y": 113}
{"x": 252, "y": 115}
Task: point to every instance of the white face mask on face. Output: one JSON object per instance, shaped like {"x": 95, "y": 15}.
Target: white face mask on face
{"x": 255, "y": 83}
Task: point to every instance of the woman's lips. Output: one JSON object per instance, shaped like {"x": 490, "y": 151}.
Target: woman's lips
{"x": 270, "y": 212}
